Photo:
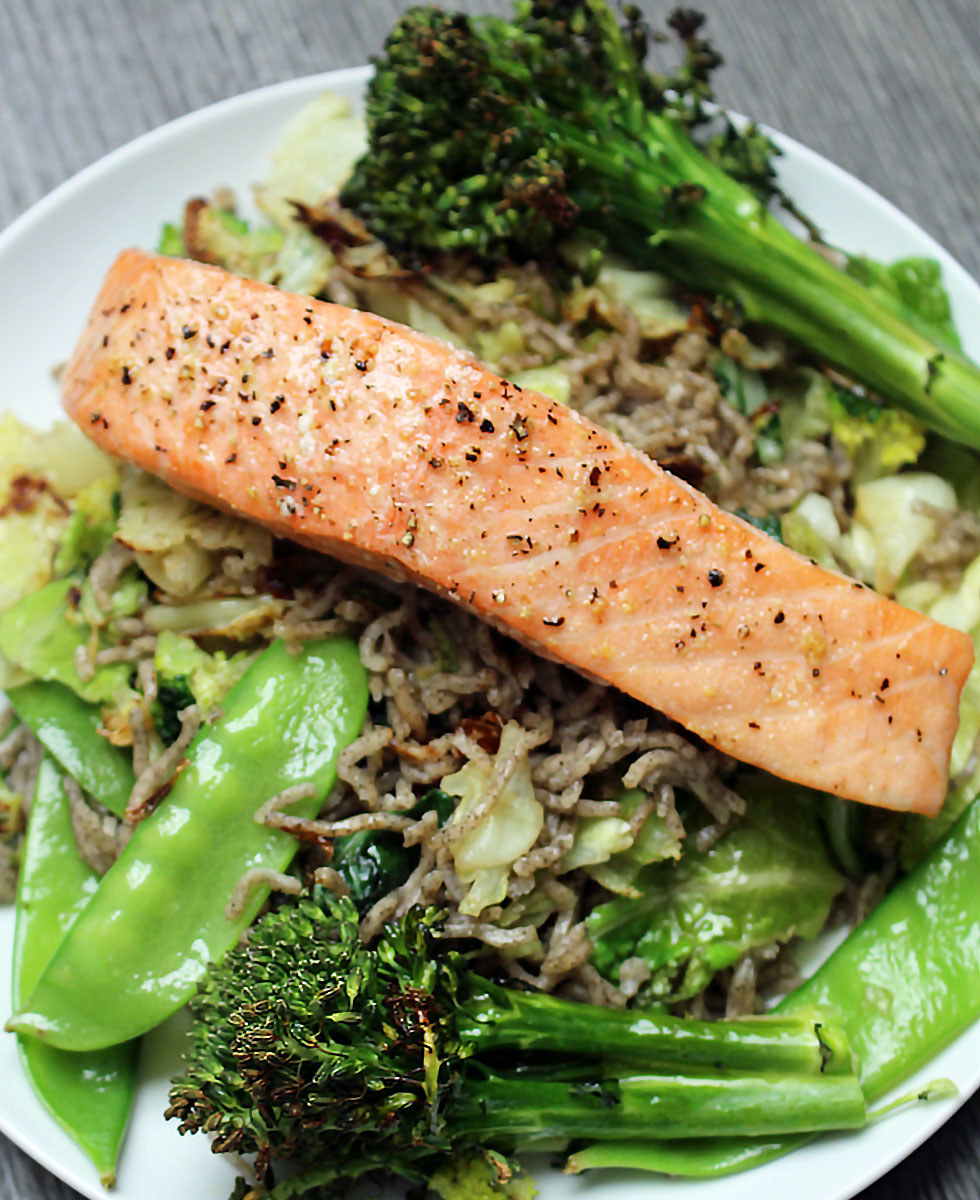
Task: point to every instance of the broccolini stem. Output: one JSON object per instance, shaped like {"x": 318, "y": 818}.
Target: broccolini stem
{"x": 721, "y": 238}
{"x": 501, "y": 1018}
{"x": 656, "y": 1106}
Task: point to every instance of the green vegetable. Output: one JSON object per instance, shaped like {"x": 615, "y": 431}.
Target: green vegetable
{"x": 90, "y": 526}
{"x": 172, "y": 698}
{"x": 502, "y": 137}
{"x": 553, "y": 380}
{"x": 481, "y": 1176}
{"x": 41, "y": 634}
{"x": 915, "y": 286}
{"x": 158, "y": 917}
{"x": 502, "y": 832}
{"x": 958, "y": 606}
{"x": 612, "y": 854}
{"x": 374, "y": 863}
{"x": 903, "y": 985}
{"x": 207, "y": 676}
{"x": 292, "y": 259}
{"x": 879, "y": 440}
{"x": 770, "y": 524}
{"x": 171, "y": 241}
{"x": 402, "y": 1059}
{"x": 89, "y": 1094}
{"x": 766, "y": 880}
{"x": 67, "y": 727}
{"x": 313, "y": 155}
{"x": 900, "y": 514}
{"x": 742, "y": 387}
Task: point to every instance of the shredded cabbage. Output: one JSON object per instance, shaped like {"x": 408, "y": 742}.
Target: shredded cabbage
{"x": 494, "y": 836}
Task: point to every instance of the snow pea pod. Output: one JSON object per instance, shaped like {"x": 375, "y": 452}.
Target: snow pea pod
{"x": 88, "y": 1094}
{"x": 67, "y": 727}
{"x": 158, "y": 918}
{"x": 903, "y": 984}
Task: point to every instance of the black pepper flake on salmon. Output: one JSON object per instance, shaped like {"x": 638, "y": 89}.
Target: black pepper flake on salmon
{"x": 519, "y": 427}
{"x": 94, "y": 418}
{"x": 553, "y": 621}
{"x": 232, "y": 458}
{"x": 188, "y": 332}
{"x": 665, "y": 543}
{"x": 886, "y": 684}
{"x": 256, "y": 420}
{"x": 463, "y": 413}
{"x": 126, "y": 376}
{"x": 278, "y": 480}
{"x": 486, "y": 425}
{"x": 207, "y": 404}
{"x": 753, "y": 724}
{"x": 779, "y": 618}
{"x": 594, "y": 476}
{"x": 276, "y": 404}
{"x": 815, "y": 672}
{"x": 715, "y": 577}
{"x": 360, "y": 365}
{"x": 760, "y": 566}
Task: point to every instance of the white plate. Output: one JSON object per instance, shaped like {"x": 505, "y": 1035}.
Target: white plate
{"x": 51, "y": 262}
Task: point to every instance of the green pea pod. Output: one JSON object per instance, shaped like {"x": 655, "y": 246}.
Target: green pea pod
{"x": 88, "y": 1094}
{"x": 67, "y": 727}
{"x": 158, "y": 917}
{"x": 903, "y": 984}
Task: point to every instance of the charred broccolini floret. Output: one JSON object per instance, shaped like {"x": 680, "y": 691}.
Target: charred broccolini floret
{"x": 344, "y": 1059}
{"x": 502, "y": 137}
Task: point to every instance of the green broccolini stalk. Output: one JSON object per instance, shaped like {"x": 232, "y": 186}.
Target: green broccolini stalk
{"x": 502, "y": 137}
{"x": 343, "y": 1059}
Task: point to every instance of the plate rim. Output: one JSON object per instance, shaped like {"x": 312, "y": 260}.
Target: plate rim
{"x": 304, "y": 88}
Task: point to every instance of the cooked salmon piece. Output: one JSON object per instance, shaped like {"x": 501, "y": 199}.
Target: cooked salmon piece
{"x": 373, "y": 443}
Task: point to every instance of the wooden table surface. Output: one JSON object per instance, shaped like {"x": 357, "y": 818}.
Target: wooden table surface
{"x": 889, "y": 89}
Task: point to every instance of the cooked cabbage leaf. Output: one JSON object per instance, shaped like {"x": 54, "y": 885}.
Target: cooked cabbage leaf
{"x": 769, "y": 878}
{"x": 208, "y": 676}
{"x": 613, "y": 854}
{"x": 482, "y": 1175}
{"x": 42, "y": 633}
{"x": 497, "y": 833}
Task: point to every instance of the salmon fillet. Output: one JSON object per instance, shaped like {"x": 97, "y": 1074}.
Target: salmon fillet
{"x": 376, "y": 444}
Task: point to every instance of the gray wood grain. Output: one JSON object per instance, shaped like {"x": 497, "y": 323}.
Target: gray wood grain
{"x": 889, "y": 89}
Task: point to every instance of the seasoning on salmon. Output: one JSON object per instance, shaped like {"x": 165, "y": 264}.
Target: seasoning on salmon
{"x": 376, "y": 444}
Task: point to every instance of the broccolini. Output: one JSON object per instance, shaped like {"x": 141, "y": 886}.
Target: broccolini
{"x": 344, "y": 1059}
{"x": 501, "y": 137}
